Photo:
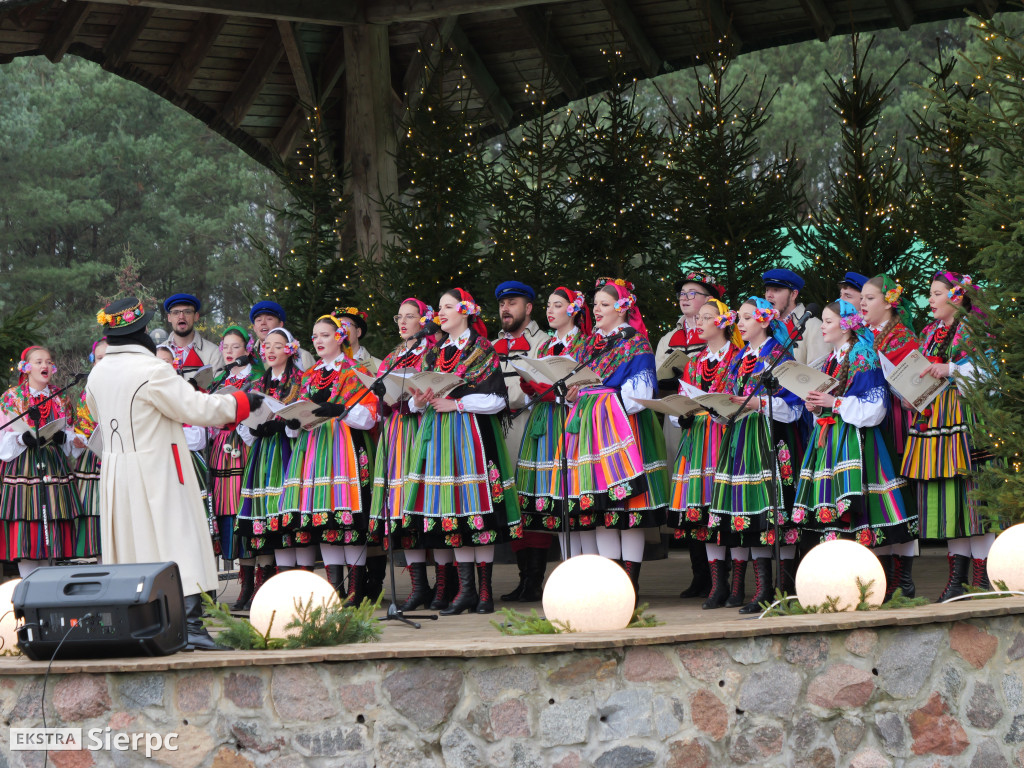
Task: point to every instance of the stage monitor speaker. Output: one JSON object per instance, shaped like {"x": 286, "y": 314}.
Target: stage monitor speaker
{"x": 135, "y": 610}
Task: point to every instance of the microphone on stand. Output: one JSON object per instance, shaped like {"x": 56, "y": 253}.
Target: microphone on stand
{"x": 798, "y": 327}
{"x": 238, "y": 362}
{"x": 427, "y": 330}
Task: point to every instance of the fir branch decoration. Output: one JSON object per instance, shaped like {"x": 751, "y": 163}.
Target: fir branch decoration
{"x": 643, "y": 619}
{"x": 516, "y": 623}
{"x": 790, "y": 606}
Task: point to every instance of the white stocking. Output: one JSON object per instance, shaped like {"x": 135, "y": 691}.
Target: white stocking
{"x": 355, "y": 554}
{"x": 285, "y": 557}
{"x": 443, "y": 556}
{"x": 609, "y": 544}
{"x": 465, "y": 555}
{"x": 632, "y": 545}
{"x": 980, "y": 545}
{"x": 906, "y": 549}
{"x": 959, "y": 547}
{"x": 484, "y": 554}
{"x": 741, "y": 553}
{"x": 715, "y": 552}
{"x": 415, "y": 556}
{"x": 787, "y": 551}
{"x": 758, "y": 553}
{"x": 333, "y": 554}
{"x": 305, "y": 556}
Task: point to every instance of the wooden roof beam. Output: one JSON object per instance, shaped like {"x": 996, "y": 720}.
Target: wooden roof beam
{"x": 332, "y": 67}
{"x": 483, "y": 81}
{"x": 125, "y": 35}
{"x": 62, "y": 33}
{"x": 420, "y": 72}
{"x": 636, "y": 38}
{"x": 288, "y": 135}
{"x": 721, "y": 25}
{"x": 201, "y": 39}
{"x": 387, "y": 11}
{"x": 255, "y": 77}
{"x": 297, "y": 61}
{"x": 555, "y": 57}
{"x": 901, "y": 13}
{"x": 822, "y": 21}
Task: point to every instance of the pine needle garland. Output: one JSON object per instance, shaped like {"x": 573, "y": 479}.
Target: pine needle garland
{"x": 516, "y": 623}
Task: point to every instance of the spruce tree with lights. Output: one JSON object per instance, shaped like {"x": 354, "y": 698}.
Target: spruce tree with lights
{"x": 533, "y": 220}
{"x": 994, "y": 230}
{"x": 437, "y": 221}
{"x": 735, "y": 199}
{"x": 311, "y": 274}
{"x": 867, "y": 222}
{"x": 950, "y": 165}
{"x": 624, "y": 224}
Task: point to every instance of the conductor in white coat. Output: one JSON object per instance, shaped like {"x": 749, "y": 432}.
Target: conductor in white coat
{"x": 150, "y": 504}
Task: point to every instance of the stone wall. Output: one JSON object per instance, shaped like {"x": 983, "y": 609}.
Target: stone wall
{"x": 941, "y": 694}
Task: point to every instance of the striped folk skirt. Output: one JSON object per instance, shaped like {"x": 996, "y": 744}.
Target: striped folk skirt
{"x": 461, "y": 490}
{"x": 400, "y": 433}
{"x": 538, "y": 467}
{"x": 228, "y": 454}
{"x": 87, "y": 482}
{"x": 693, "y": 479}
{"x": 740, "y": 503}
{"x": 328, "y": 488}
{"x": 258, "y": 521}
{"x": 41, "y": 514}
{"x": 849, "y": 489}
{"x": 938, "y": 459}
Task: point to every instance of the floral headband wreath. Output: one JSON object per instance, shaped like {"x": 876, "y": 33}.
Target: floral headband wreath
{"x": 708, "y": 281}
{"x": 426, "y": 311}
{"x": 24, "y": 366}
{"x": 726, "y": 319}
{"x": 577, "y": 309}
{"x": 624, "y": 303}
{"x": 340, "y": 332}
{"x": 466, "y": 306}
{"x": 765, "y": 313}
{"x": 960, "y": 284}
{"x": 849, "y": 318}
{"x": 291, "y": 346}
{"x": 176, "y": 362}
{"x": 120, "y": 319}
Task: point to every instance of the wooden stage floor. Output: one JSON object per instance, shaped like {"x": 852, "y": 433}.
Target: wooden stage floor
{"x": 467, "y": 636}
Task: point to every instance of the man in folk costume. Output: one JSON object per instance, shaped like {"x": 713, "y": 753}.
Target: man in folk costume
{"x": 782, "y": 290}
{"x": 265, "y": 316}
{"x": 520, "y": 336}
{"x": 191, "y": 350}
{"x": 850, "y": 287}
{"x": 150, "y": 505}
{"x": 692, "y": 292}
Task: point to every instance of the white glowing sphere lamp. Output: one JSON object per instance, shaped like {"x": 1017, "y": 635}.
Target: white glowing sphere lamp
{"x": 8, "y": 626}
{"x": 1006, "y": 558}
{"x": 276, "y": 600}
{"x": 589, "y": 593}
{"x": 831, "y": 570}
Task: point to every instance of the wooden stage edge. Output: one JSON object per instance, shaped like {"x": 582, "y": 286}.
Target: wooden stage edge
{"x": 471, "y": 636}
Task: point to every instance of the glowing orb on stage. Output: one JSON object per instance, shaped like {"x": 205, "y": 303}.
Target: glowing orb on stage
{"x": 278, "y": 596}
{"x": 831, "y": 570}
{"x": 1006, "y": 558}
{"x": 589, "y": 593}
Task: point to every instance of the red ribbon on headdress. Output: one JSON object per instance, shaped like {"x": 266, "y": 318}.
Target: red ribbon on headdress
{"x": 475, "y": 321}
{"x": 586, "y": 319}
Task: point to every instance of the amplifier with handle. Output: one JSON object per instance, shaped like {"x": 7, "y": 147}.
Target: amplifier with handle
{"x": 115, "y": 610}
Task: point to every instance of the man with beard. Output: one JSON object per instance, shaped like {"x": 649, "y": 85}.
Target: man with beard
{"x": 191, "y": 349}
{"x": 520, "y": 336}
{"x": 782, "y": 290}
{"x": 265, "y": 316}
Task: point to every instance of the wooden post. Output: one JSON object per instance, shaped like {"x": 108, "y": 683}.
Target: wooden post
{"x": 370, "y": 138}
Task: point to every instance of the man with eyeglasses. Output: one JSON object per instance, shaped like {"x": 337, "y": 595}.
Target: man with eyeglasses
{"x": 191, "y": 349}
{"x": 692, "y": 293}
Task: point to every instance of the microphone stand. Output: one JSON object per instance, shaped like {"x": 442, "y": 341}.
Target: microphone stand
{"x": 35, "y": 417}
{"x": 561, "y": 388}
{"x": 769, "y": 383}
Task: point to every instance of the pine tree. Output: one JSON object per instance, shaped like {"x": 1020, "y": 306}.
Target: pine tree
{"x": 310, "y": 274}
{"x": 949, "y": 167}
{"x": 624, "y": 226}
{"x": 437, "y": 220}
{"x": 994, "y": 229}
{"x": 866, "y": 224}
{"x": 735, "y": 199}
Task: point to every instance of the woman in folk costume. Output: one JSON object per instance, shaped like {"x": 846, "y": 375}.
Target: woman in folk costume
{"x": 269, "y": 449}
{"x": 399, "y": 431}
{"x": 697, "y": 457}
{"x": 571, "y": 326}
{"x": 848, "y": 487}
{"x": 87, "y": 468}
{"x": 887, "y": 313}
{"x": 617, "y": 465}
{"x": 938, "y": 455}
{"x": 461, "y": 493}
{"x": 41, "y": 515}
{"x": 228, "y": 454}
{"x": 740, "y": 501}
{"x": 328, "y": 488}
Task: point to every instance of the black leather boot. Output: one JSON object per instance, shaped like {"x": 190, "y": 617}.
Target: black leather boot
{"x": 788, "y": 585}
{"x": 336, "y": 578}
{"x": 536, "y": 567}
{"x": 444, "y": 576}
{"x": 421, "y": 593}
{"x": 376, "y": 565}
{"x": 247, "y": 581}
{"x": 466, "y": 598}
{"x": 979, "y": 574}
{"x": 632, "y": 569}
{"x": 719, "y": 591}
{"x": 738, "y": 593}
{"x": 763, "y": 590}
{"x": 486, "y": 602}
{"x": 198, "y": 637}
{"x": 958, "y": 574}
{"x": 356, "y": 585}
{"x": 701, "y": 585}
{"x": 902, "y": 577}
{"x": 523, "y": 562}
